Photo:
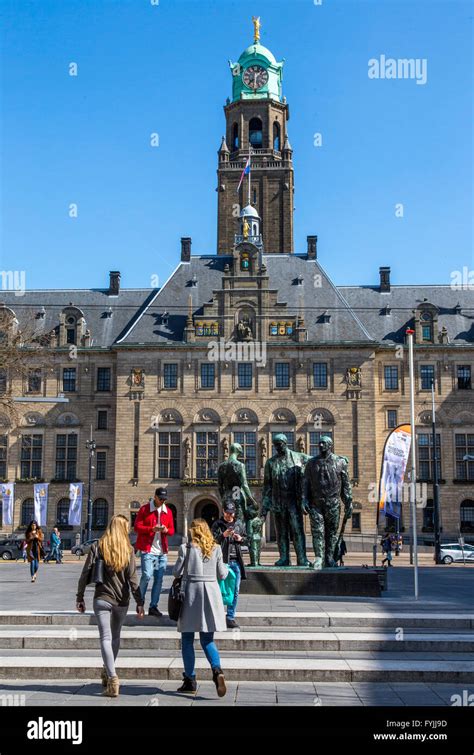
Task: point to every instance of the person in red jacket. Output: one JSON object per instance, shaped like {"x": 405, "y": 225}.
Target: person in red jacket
{"x": 153, "y": 524}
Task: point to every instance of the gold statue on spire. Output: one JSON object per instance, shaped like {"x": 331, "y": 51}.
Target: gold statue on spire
{"x": 256, "y": 28}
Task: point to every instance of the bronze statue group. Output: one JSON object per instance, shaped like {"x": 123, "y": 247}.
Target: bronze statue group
{"x": 295, "y": 485}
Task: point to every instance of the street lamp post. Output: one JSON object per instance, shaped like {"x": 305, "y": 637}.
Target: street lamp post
{"x": 437, "y": 543}
{"x": 410, "y": 333}
{"x": 91, "y": 446}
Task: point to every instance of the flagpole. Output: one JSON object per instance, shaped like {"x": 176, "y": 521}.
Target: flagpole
{"x": 410, "y": 334}
{"x": 250, "y": 168}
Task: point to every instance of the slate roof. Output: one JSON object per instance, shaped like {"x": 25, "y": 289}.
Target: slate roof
{"x": 369, "y": 304}
{"x": 356, "y": 313}
{"x": 93, "y": 303}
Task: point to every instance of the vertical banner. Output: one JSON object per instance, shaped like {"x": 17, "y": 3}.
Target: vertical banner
{"x": 8, "y": 497}
{"x": 75, "y": 503}
{"x": 41, "y": 502}
{"x": 395, "y": 458}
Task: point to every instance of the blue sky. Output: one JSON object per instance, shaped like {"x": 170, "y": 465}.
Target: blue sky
{"x": 146, "y": 68}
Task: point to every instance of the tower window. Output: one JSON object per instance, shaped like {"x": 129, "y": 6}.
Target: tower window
{"x": 235, "y": 136}
{"x": 276, "y": 137}
{"x": 256, "y": 133}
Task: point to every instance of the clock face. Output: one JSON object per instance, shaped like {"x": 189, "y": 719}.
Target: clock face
{"x": 255, "y": 77}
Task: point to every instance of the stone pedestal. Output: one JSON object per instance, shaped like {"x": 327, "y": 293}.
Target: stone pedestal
{"x": 343, "y": 581}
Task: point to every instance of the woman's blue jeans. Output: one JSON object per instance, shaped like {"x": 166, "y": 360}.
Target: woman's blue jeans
{"x": 207, "y": 644}
{"x": 34, "y": 566}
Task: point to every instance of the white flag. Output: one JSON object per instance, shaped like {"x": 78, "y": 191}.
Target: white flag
{"x": 75, "y": 503}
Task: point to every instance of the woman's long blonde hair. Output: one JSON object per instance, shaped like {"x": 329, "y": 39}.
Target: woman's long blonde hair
{"x": 115, "y": 546}
{"x": 201, "y": 536}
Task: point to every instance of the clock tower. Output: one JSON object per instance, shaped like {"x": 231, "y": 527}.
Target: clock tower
{"x": 256, "y": 119}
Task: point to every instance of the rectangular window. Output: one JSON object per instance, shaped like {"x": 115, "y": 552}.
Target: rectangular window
{"x": 320, "y": 375}
{"x": 169, "y": 445}
{"x": 391, "y": 378}
{"x": 315, "y": 437}
{"x": 425, "y": 456}
{"x": 34, "y": 380}
{"x": 3, "y": 380}
{"x": 69, "y": 379}
{"x": 248, "y": 441}
{"x": 464, "y": 443}
{"x": 244, "y": 375}
{"x": 66, "y": 457}
{"x": 206, "y": 455}
{"x": 426, "y": 376}
{"x": 101, "y": 465}
{"x": 104, "y": 378}
{"x": 464, "y": 377}
{"x": 3, "y": 456}
{"x": 208, "y": 375}
{"x": 355, "y": 519}
{"x": 102, "y": 417}
{"x": 428, "y": 515}
{"x": 282, "y": 375}
{"x": 170, "y": 376}
{"x": 426, "y": 333}
{"x": 290, "y": 436}
{"x": 31, "y": 458}
{"x": 392, "y": 418}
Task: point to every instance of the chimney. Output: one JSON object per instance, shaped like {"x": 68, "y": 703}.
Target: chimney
{"x": 312, "y": 242}
{"x": 114, "y": 282}
{"x": 185, "y": 249}
{"x": 384, "y": 279}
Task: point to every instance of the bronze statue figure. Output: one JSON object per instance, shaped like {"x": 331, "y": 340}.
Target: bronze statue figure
{"x": 326, "y": 482}
{"x": 282, "y": 495}
{"x": 233, "y": 485}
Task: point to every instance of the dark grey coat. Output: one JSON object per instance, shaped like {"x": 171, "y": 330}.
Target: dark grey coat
{"x": 203, "y": 609}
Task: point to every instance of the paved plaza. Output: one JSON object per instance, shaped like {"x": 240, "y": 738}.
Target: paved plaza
{"x": 288, "y": 650}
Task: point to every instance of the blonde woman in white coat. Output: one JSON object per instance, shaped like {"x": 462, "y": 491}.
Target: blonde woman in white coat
{"x": 203, "y": 608}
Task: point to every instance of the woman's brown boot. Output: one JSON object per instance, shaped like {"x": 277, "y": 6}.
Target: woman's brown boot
{"x": 113, "y": 687}
{"x": 103, "y": 676}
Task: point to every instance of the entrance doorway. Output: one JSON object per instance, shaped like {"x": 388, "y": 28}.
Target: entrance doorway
{"x": 207, "y": 510}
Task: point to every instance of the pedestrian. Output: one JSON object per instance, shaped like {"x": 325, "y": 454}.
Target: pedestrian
{"x": 55, "y": 551}
{"x": 342, "y": 551}
{"x": 153, "y": 524}
{"x": 24, "y": 550}
{"x": 230, "y": 534}
{"x": 34, "y": 547}
{"x": 112, "y": 595}
{"x": 203, "y": 608}
{"x": 387, "y": 549}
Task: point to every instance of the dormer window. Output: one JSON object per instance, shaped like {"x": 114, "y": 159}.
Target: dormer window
{"x": 71, "y": 325}
{"x": 426, "y": 327}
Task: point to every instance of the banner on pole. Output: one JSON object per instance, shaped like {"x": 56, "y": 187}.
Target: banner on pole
{"x": 395, "y": 457}
{"x": 75, "y": 503}
{"x": 8, "y": 497}
{"x": 40, "y": 492}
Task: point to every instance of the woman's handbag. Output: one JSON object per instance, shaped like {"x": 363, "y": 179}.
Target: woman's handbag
{"x": 227, "y": 587}
{"x": 96, "y": 571}
{"x": 176, "y": 593}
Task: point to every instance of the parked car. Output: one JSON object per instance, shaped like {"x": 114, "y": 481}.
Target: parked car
{"x": 453, "y": 552}
{"x": 84, "y": 547}
{"x": 10, "y": 548}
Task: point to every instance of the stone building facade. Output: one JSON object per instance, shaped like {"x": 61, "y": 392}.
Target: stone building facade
{"x": 237, "y": 346}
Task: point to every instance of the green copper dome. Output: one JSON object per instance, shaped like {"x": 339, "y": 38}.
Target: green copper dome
{"x": 255, "y": 50}
{"x": 257, "y": 75}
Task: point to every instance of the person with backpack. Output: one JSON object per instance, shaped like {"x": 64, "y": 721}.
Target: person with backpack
{"x": 112, "y": 593}
{"x": 201, "y": 564}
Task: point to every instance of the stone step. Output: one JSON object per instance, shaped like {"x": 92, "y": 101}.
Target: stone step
{"x": 167, "y": 638}
{"x": 314, "y": 619}
{"x": 239, "y": 669}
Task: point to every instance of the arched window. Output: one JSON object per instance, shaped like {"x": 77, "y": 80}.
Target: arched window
{"x": 256, "y": 133}
{"x": 27, "y": 511}
{"x": 100, "y": 514}
{"x": 235, "y": 136}
{"x": 467, "y": 516}
{"x": 174, "y": 514}
{"x": 62, "y": 511}
{"x": 276, "y": 137}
